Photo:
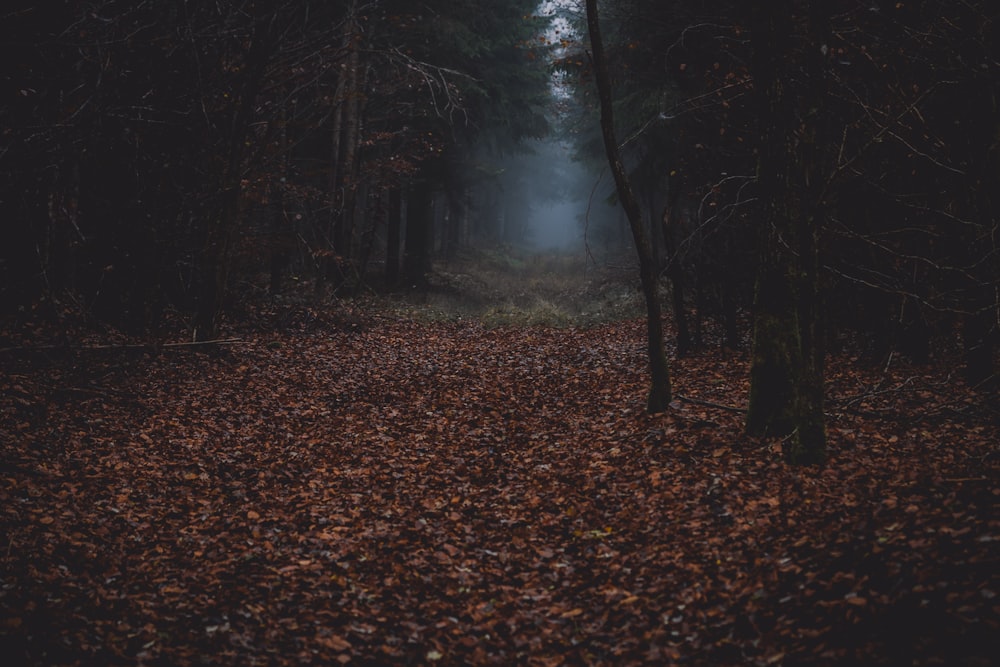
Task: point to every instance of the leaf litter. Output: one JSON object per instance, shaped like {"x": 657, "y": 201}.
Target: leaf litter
{"x": 442, "y": 493}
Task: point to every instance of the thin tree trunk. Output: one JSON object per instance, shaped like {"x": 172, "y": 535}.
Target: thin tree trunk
{"x": 327, "y": 262}
{"x": 979, "y": 335}
{"x": 344, "y": 238}
{"x": 675, "y": 271}
{"x": 419, "y": 233}
{"x": 393, "y": 227}
{"x": 278, "y": 242}
{"x": 659, "y": 393}
{"x": 330, "y": 265}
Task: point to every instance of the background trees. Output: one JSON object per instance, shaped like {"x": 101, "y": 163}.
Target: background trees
{"x": 152, "y": 150}
{"x": 154, "y": 154}
{"x": 842, "y": 148}
{"x": 659, "y": 393}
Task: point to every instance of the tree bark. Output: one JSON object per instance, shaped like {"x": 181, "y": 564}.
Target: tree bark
{"x": 786, "y": 375}
{"x": 419, "y": 233}
{"x": 393, "y": 227}
{"x": 675, "y": 272}
{"x": 278, "y": 248}
{"x": 327, "y": 265}
{"x": 659, "y": 393}
{"x": 345, "y": 241}
{"x": 220, "y": 233}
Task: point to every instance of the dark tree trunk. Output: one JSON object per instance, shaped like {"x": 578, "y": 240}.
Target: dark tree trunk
{"x": 215, "y": 268}
{"x": 419, "y": 233}
{"x": 327, "y": 265}
{"x": 979, "y": 337}
{"x": 981, "y": 326}
{"x": 786, "y": 376}
{"x": 700, "y": 278}
{"x": 656, "y": 241}
{"x": 659, "y": 393}
{"x": 345, "y": 237}
{"x": 278, "y": 253}
{"x": 393, "y": 227}
{"x": 732, "y": 332}
{"x": 221, "y": 230}
{"x": 343, "y": 133}
{"x": 675, "y": 272}
{"x": 364, "y": 235}
{"x": 278, "y": 249}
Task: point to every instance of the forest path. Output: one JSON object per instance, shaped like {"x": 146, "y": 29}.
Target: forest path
{"x": 510, "y": 288}
{"x": 449, "y": 493}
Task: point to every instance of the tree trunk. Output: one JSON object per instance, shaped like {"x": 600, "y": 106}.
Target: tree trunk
{"x": 331, "y": 264}
{"x": 393, "y": 227}
{"x": 979, "y": 334}
{"x": 659, "y": 393}
{"x": 981, "y": 326}
{"x": 731, "y": 325}
{"x": 220, "y": 233}
{"x": 279, "y": 223}
{"x": 419, "y": 233}
{"x": 675, "y": 272}
{"x": 327, "y": 265}
{"x": 786, "y": 375}
{"x": 366, "y": 220}
{"x": 345, "y": 233}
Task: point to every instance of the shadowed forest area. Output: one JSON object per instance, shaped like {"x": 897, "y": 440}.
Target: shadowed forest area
{"x": 499, "y": 332}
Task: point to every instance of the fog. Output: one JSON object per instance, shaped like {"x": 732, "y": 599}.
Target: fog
{"x": 556, "y": 227}
{"x": 558, "y": 201}
{"x": 556, "y": 197}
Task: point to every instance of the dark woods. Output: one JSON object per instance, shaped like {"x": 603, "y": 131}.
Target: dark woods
{"x": 838, "y": 157}
{"x": 158, "y": 156}
{"x": 830, "y": 167}
{"x": 238, "y": 426}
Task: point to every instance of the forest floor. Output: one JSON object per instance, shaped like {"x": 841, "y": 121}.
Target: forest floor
{"x": 416, "y": 484}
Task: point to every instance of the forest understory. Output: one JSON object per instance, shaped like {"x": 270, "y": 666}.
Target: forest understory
{"x": 466, "y": 475}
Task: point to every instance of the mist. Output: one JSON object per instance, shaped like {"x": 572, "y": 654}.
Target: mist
{"x": 556, "y": 227}
{"x": 558, "y": 193}
{"x": 551, "y": 195}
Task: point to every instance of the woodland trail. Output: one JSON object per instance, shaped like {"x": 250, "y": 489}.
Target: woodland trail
{"x": 443, "y": 493}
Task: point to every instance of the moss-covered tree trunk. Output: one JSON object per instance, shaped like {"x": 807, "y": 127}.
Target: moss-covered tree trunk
{"x": 659, "y": 393}
{"x": 786, "y": 375}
